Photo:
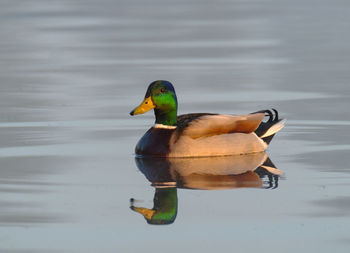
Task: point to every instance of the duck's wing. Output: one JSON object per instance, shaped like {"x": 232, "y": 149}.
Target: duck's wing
{"x": 203, "y": 124}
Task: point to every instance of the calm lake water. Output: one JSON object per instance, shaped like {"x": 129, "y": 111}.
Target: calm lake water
{"x": 71, "y": 71}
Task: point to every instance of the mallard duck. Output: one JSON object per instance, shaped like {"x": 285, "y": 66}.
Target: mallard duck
{"x": 200, "y": 134}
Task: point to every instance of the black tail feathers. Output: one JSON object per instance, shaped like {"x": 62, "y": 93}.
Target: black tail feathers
{"x": 265, "y": 126}
{"x": 269, "y": 178}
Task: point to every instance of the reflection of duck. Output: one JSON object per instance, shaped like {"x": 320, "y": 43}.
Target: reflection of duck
{"x": 209, "y": 172}
{"x": 200, "y": 134}
{"x": 165, "y": 207}
{"x": 206, "y": 173}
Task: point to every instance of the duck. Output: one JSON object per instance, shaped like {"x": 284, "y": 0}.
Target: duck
{"x": 201, "y": 134}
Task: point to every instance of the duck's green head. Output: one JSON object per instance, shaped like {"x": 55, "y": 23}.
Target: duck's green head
{"x": 165, "y": 207}
{"x": 161, "y": 97}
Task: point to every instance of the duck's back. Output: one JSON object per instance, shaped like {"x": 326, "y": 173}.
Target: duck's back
{"x": 216, "y": 135}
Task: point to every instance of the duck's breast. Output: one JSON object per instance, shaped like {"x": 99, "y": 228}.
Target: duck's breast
{"x": 155, "y": 142}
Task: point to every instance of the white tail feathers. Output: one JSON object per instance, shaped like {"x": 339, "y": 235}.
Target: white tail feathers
{"x": 273, "y": 170}
{"x": 274, "y": 129}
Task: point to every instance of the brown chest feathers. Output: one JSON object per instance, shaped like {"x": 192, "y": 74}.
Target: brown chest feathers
{"x": 155, "y": 142}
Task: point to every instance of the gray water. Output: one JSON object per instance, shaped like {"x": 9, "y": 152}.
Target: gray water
{"x": 71, "y": 71}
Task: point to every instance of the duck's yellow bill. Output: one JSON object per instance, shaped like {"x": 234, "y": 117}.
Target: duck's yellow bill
{"x": 145, "y": 106}
{"x": 147, "y": 213}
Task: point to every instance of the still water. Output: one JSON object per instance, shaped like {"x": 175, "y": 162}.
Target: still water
{"x": 71, "y": 71}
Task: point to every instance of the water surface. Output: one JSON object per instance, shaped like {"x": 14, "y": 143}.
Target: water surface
{"x": 70, "y": 71}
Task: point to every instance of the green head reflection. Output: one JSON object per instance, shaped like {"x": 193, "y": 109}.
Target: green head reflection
{"x": 165, "y": 207}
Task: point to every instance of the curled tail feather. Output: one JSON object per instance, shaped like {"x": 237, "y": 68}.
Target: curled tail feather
{"x": 268, "y": 129}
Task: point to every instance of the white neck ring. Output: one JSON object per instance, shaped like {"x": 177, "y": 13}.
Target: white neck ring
{"x": 164, "y": 126}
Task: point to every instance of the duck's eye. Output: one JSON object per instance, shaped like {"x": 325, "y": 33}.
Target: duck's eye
{"x": 162, "y": 90}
